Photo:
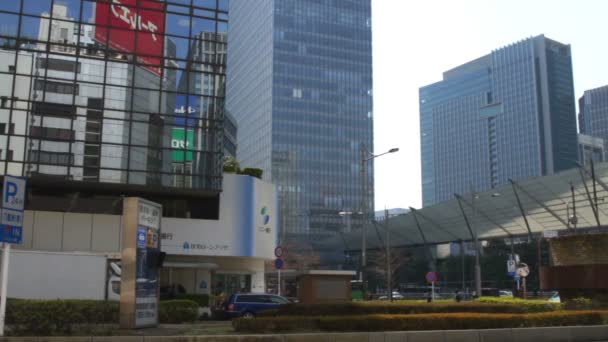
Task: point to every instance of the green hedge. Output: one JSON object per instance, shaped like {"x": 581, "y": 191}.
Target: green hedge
{"x": 201, "y": 299}
{"x": 353, "y": 308}
{"x": 531, "y": 305}
{"x": 178, "y": 311}
{"x": 49, "y": 317}
{"x": 436, "y": 321}
{"x": 62, "y": 317}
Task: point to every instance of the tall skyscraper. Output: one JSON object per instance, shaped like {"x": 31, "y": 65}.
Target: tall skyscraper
{"x": 593, "y": 113}
{"x": 300, "y": 87}
{"x": 507, "y": 115}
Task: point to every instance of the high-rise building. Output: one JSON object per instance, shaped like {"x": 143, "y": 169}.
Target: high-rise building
{"x": 593, "y": 113}
{"x": 507, "y": 115}
{"x": 300, "y": 87}
{"x": 590, "y": 149}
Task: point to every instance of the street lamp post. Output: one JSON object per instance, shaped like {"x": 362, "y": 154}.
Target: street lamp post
{"x": 474, "y": 196}
{"x": 366, "y": 156}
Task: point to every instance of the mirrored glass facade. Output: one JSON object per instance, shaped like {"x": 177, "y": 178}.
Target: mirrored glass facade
{"x": 593, "y": 113}
{"x": 127, "y": 92}
{"x": 300, "y": 86}
{"x": 507, "y": 115}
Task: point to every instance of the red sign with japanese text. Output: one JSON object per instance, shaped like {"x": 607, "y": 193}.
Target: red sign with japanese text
{"x": 124, "y": 26}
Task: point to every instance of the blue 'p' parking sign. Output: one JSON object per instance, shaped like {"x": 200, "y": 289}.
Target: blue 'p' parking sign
{"x": 13, "y": 203}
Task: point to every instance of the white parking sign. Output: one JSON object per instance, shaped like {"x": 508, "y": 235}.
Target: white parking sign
{"x": 13, "y": 194}
{"x": 13, "y": 203}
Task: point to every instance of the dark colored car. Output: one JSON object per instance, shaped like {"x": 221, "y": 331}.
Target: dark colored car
{"x": 250, "y": 304}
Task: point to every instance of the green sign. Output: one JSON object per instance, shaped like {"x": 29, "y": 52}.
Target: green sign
{"x": 182, "y": 143}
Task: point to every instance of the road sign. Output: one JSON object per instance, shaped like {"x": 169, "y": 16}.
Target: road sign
{"x": 280, "y": 251}
{"x": 13, "y": 203}
{"x": 431, "y": 277}
{"x": 11, "y": 230}
{"x": 511, "y": 267}
{"x": 278, "y": 263}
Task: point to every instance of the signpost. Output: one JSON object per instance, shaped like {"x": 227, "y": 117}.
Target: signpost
{"x": 431, "y": 277}
{"x": 523, "y": 271}
{"x": 141, "y": 260}
{"x": 11, "y": 230}
{"x": 279, "y": 252}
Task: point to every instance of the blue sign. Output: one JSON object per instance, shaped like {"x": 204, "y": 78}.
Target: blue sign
{"x": 142, "y": 235}
{"x": 278, "y": 263}
{"x": 186, "y": 110}
{"x": 431, "y": 277}
{"x": 13, "y": 203}
{"x": 10, "y": 234}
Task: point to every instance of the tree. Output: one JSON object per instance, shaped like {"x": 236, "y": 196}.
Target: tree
{"x": 376, "y": 270}
{"x": 231, "y": 165}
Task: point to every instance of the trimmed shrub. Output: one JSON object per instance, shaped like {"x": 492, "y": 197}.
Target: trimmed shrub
{"x": 437, "y": 321}
{"x": 253, "y": 172}
{"x": 353, "y": 308}
{"x": 52, "y": 317}
{"x": 201, "y": 299}
{"x": 530, "y": 305}
{"x": 177, "y": 311}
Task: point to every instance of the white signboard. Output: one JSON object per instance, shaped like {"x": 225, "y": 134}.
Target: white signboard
{"x": 548, "y": 234}
{"x": 149, "y": 215}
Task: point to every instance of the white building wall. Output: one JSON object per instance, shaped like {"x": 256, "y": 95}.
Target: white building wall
{"x": 63, "y": 255}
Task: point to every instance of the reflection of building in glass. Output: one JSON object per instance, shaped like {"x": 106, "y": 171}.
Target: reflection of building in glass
{"x": 69, "y": 134}
{"x": 230, "y": 135}
{"x": 593, "y": 113}
{"x": 88, "y": 103}
{"x": 506, "y": 115}
{"x": 300, "y": 86}
{"x": 199, "y": 119}
{"x": 590, "y": 148}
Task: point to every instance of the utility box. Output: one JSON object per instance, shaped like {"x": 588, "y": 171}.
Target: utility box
{"x": 323, "y": 286}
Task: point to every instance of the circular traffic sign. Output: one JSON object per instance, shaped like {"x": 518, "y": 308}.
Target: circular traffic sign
{"x": 278, "y": 263}
{"x": 431, "y": 277}
{"x": 280, "y": 251}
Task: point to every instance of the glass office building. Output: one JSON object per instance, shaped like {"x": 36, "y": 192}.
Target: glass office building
{"x": 300, "y": 87}
{"x": 92, "y": 94}
{"x": 506, "y": 115}
{"x": 593, "y": 113}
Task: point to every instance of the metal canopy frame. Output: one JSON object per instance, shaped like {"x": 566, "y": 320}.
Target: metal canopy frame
{"x": 524, "y": 208}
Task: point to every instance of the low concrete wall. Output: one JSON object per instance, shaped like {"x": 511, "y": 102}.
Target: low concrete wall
{"x": 553, "y": 334}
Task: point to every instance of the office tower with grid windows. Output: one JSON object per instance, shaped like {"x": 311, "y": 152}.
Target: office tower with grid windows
{"x": 593, "y": 113}
{"x": 89, "y": 99}
{"x": 299, "y": 84}
{"x": 507, "y": 115}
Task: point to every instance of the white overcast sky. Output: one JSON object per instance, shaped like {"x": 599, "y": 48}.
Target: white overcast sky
{"x": 415, "y": 41}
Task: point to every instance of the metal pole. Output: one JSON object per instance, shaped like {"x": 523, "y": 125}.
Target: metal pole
{"x": 364, "y": 220}
{"x": 389, "y": 286}
{"x": 279, "y": 283}
{"x": 5, "y": 255}
{"x": 477, "y": 250}
{"x": 463, "y": 265}
{"x": 574, "y": 218}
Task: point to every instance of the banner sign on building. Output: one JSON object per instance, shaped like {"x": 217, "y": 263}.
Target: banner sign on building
{"x": 141, "y": 262}
{"x": 124, "y": 26}
{"x": 182, "y": 144}
{"x": 186, "y": 111}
